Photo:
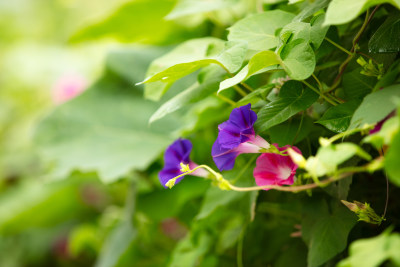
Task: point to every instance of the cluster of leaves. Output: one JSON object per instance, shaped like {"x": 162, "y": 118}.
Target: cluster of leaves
{"x": 310, "y": 69}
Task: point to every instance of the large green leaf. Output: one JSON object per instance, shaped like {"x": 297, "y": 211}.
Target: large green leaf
{"x": 289, "y": 131}
{"x": 136, "y": 21}
{"x": 189, "y": 57}
{"x": 257, "y": 63}
{"x": 375, "y": 106}
{"x": 387, "y": 38}
{"x": 292, "y": 99}
{"x": 337, "y": 118}
{"x": 105, "y": 130}
{"x": 131, "y": 63}
{"x": 196, "y": 92}
{"x": 325, "y": 230}
{"x": 356, "y": 85}
{"x": 311, "y": 9}
{"x": 313, "y": 32}
{"x": 298, "y": 59}
{"x": 329, "y": 157}
{"x": 373, "y": 252}
{"x": 392, "y": 159}
{"x": 343, "y": 11}
{"x": 259, "y": 30}
{"x": 190, "y": 251}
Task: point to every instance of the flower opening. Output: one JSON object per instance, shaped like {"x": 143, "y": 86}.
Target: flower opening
{"x": 177, "y": 160}
{"x": 275, "y": 169}
{"x": 237, "y": 136}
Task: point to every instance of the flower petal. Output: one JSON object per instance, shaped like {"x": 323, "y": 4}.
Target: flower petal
{"x": 177, "y": 152}
{"x": 223, "y": 158}
{"x": 243, "y": 117}
{"x": 166, "y": 174}
{"x": 275, "y": 169}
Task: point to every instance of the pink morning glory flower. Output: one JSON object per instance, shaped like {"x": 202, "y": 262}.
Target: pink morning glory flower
{"x": 178, "y": 152}
{"x": 237, "y": 136}
{"x": 68, "y": 87}
{"x": 379, "y": 124}
{"x": 275, "y": 169}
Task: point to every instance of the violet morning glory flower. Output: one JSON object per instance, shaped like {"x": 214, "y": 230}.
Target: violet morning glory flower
{"x": 178, "y": 152}
{"x": 237, "y": 136}
{"x": 275, "y": 169}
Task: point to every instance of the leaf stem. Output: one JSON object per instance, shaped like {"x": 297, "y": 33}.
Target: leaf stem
{"x": 343, "y": 66}
{"x": 339, "y": 46}
{"x": 239, "y": 90}
{"x": 225, "y": 99}
{"x": 247, "y": 86}
{"x": 320, "y": 93}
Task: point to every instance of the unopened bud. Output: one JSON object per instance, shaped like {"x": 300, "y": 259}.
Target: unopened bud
{"x": 297, "y": 158}
{"x": 324, "y": 141}
{"x": 364, "y": 212}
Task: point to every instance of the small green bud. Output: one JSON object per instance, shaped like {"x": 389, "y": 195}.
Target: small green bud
{"x": 297, "y": 158}
{"x": 324, "y": 141}
{"x": 364, "y": 212}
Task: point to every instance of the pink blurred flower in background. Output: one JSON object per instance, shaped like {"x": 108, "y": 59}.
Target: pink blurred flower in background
{"x": 67, "y": 87}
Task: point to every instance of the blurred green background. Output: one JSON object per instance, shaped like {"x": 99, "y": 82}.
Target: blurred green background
{"x": 53, "y": 51}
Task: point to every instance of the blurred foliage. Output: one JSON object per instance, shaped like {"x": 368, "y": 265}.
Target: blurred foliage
{"x": 79, "y": 178}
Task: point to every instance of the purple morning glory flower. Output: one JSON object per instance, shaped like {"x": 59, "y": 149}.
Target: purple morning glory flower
{"x": 237, "y": 136}
{"x": 178, "y": 152}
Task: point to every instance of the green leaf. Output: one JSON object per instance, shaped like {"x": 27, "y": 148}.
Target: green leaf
{"x": 214, "y": 199}
{"x": 298, "y": 59}
{"x": 257, "y": 95}
{"x": 259, "y": 30}
{"x": 135, "y": 21}
{"x": 375, "y": 106}
{"x": 193, "y": 94}
{"x": 313, "y": 32}
{"x": 286, "y": 132}
{"x": 292, "y": 99}
{"x": 258, "y": 62}
{"x": 120, "y": 238}
{"x": 191, "y": 7}
{"x": 356, "y": 85}
{"x": 318, "y": 30}
{"x": 122, "y": 60}
{"x": 326, "y": 230}
{"x": 392, "y": 158}
{"x": 337, "y": 118}
{"x": 189, "y": 57}
{"x": 387, "y": 38}
{"x": 343, "y": 11}
{"x": 190, "y": 250}
{"x": 385, "y": 135}
{"x": 105, "y": 130}
{"x": 161, "y": 204}
{"x": 311, "y": 9}
{"x": 295, "y": 30}
{"x": 373, "y": 252}
{"x": 329, "y": 157}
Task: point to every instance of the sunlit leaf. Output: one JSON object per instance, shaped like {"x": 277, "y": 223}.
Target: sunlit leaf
{"x": 293, "y": 98}
{"x": 259, "y": 30}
